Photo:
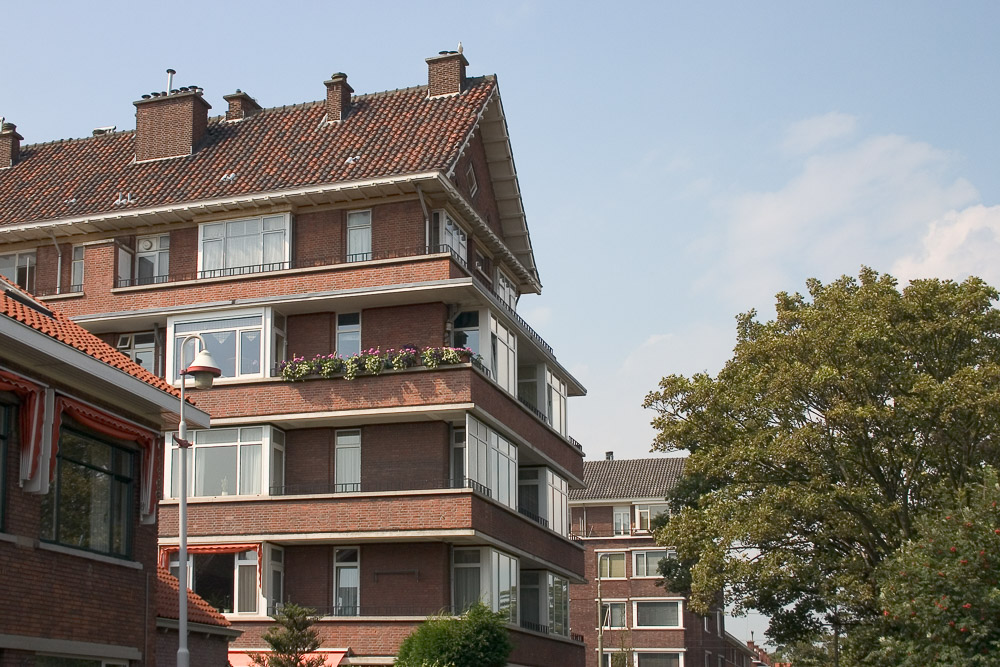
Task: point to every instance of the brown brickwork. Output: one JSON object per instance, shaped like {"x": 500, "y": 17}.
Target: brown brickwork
{"x": 338, "y": 97}
{"x": 169, "y": 126}
{"x": 446, "y": 73}
{"x": 241, "y": 105}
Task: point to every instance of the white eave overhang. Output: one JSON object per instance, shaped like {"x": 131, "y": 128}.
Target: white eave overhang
{"x": 57, "y": 362}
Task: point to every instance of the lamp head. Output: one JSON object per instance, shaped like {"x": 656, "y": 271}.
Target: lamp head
{"x": 203, "y": 370}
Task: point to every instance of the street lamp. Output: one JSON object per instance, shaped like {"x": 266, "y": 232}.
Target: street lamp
{"x": 204, "y": 371}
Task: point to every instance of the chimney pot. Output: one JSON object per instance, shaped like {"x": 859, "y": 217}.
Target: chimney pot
{"x": 446, "y": 73}
{"x": 338, "y": 97}
{"x": 609, "y": 456}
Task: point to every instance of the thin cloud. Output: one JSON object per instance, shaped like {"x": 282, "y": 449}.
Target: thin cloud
{"x": 957, "y": 245}
{"x": 808, "y": 135}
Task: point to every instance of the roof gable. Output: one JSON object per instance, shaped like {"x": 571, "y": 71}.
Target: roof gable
{"x": 629, "y": 478}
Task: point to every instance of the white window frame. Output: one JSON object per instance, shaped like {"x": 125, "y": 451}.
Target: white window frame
{"x": 271, "y": 439}
{"x": 644, "y": 515}
{"x": 636, "y": 652}
{"x": 490, "y": 563}
{"x": 26, "y": 260}
{"x": 359, "y": 234}
{"x": 347, "y": 481}
{"x": 602, "y": 557}
{"x": 240, "y": 559}
{"x": 477, "y": 341}
{"x": 606, "y": 617}
{"x": 125, "y": 266}
{"x": 506, "y": 289}
{"x": 503, "y": 355}
{"x": 342, "y": 610}
{"x": 281, "y": 226}
{"x": 635, "y": 613}
{"x": 127, "y": 345}
{"x": 213, "y": 322}
{"x": 448, "y": 233}
{"x": 642, "y": 555}
{"x": 556, "y": 402}
{"x": 348, "y": 329}
{"x": 275, "y": 568}
{"x": 621, "y": 520}
{"x": 470, "y": 177}
{"x": 156, "y": 249}
{"x": 76, "y": 269}
{"x": 491, "y": 461}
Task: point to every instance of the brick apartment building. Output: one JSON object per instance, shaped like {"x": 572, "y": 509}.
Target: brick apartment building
{"x": 80, "y": 460}
{"x": 650, "y": 625}
{"x": 384, "y": 228}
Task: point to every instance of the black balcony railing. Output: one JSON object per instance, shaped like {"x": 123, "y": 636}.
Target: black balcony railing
{"x": 534, "y": 410}
{"x": 402, "y": 483}
{"x": 377, "y": 610}
{"x": 541, "y": 521}
{"x": 535, "y": 627}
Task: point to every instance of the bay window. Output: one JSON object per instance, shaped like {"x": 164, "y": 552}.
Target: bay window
{"x": 446, "y": 234}
{"x": 244, "y": 246}
{"x": 544, "y": 494}
{"x": 488, "y": 460}
{"x": 544, "y": 602}
{"x": 359, "y": 236}
{"x": 230, "y": 461}
{"x": 503, "y": 355}
{"x": 556, "y": 402}
{"x": 488, "y": 575}
{"x": 244, "y": 343}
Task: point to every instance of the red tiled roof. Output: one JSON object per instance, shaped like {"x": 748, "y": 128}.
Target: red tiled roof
{"x": 386, "y": 134}
{"x": 629, "y": 478}
{"x": 54, "y": 324}
{"x": 167, "y": 598}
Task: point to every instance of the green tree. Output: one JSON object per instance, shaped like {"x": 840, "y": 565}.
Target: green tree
{"x": 477, "y": 639}
{"x": 816, "y": 448}
{"x": 291, "y": 640}
{"x": 939, "y": 595}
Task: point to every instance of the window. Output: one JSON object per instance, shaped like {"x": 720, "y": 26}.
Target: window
{"x": 646, "y": 514}
{"x": 558, "y": 605}
{"x": 503, "y": 355}
{"x": 466, "y": 331}
{"x": 347, "y": 576}
{"x": 612, "y": 565}
{"x": 556, "y": 402}
{"x": 230, "y": 461}
{"x": 506, "y": 290}
{"x": 227, "y": 581}
{"x": 647, "y": 563}
{"x": 496, "y": 586}
{"x": 621, "y": 520}
{"x": 359, "y": 236}
{"x": 657, "y": 614}
{"x": 557, "y": 502}
{"x": 657, "y": 659}
{"x": 243, "y": 246}
{"x": 544, "y": 602}
{"x": 124, "y": 266}
{"x": 19, "y": 267}
{"x": 276, "y": 566}
{"x": 470, "y": 178}
{"x": 613, "y": 615}
{"x": 347, "y": 462}
{"x": 89, "y": 505}
{"x": 348, "y": 334}
{"x": 76, "y": 270}
{"x": 447, "y": 235}
{"x": 490, "y": 462}
{"x": 5, "y": 424}
{"x": 527, "y": 385}
{"x": 244, "y": 343}
{"x": 140, "y": 348}
{"x": 152, "y": 259}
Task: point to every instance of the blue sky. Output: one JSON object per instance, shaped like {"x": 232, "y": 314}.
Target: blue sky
{"x": 680, "y": 162}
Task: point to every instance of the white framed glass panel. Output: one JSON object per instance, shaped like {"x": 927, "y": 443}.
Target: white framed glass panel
{"x": 244, "y": 246}
{"x": 230, "y": 461}
{"x": 348, "y": 334}
{"x": 503, "y": 355}
{"x": 658, "y": 659}
{"x": 76, "y": 269}
{"x": 467, "y": 578}
{"x": 347, "y": 582}
{"x": 347, "y": 463}
{"x": 657, "y": 614}
{"x": 236, "y": 341}
{"x": 124, "y": 265}
{"x": 491, "y": 462}
{"x": 19, "y": 267}
{"x": 276, "y": 581}
{"x": 556, "y": 402}
{"x": 611, "y": 565}
{"x": 647, "y": 563}
{"x": 466, "y": 331}
{"x": 613, "y": 615}
{"x": 645, "y": 514}
{"x": 152, "y": 259}
{"x": 506, "y": 290}
{"x": 622, "y": 518}
{"x": 359, "y": 236}
{"x": 558, "y": 605}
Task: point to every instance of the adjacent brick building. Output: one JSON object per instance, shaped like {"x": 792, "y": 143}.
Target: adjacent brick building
{"x": 641, "y": 621}
{"x": 80, "y": 462}
{"x": 432, "y": 467}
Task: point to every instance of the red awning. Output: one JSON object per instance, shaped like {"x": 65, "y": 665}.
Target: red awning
{"x": 242, "y": 659}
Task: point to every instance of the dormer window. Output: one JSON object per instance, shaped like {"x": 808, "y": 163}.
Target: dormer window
{"x": 249, "y": 245}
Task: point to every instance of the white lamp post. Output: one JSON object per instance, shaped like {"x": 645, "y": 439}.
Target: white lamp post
{"x": 204, "y": 371}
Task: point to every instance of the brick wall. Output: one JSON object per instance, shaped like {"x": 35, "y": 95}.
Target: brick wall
{"x": 484, "y": 201}
{"x": 420, "y": 325}
{"x": 169, "y": 126}
{"x": 319, "y": 238}
{"x": 206, "y": 650}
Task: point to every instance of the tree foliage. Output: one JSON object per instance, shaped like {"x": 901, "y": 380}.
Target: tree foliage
{"x": 291, "y": 640}
{"x": 939, "y": 595}
{"x": 817, "y": 448}
{"x": 477, "y": 639}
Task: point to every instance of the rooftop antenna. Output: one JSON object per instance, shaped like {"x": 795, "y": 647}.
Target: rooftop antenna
{"x": 170, "y": 80}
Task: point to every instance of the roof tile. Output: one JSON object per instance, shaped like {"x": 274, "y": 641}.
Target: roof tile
{"x": 629, "y": 478}
{"x": 168, "y": 598}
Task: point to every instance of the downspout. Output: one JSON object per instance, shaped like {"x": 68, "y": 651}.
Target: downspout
{"x": 58, "y": 262}
{"x": 427, "y": 217}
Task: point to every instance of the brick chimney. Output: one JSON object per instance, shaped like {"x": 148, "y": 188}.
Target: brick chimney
{"x": 338, "y": 97}
{"x": 446, "y": 73}
{"x": 241, "y": 105}
{"x": 169, "y": 125}
{"x": 10, "y": 145}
